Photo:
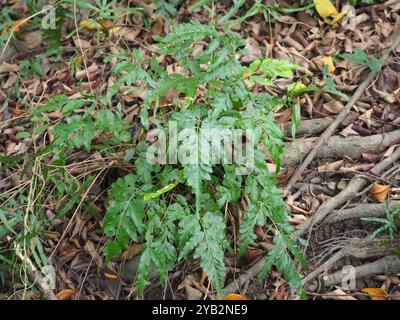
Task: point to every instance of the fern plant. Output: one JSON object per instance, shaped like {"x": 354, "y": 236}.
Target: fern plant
{"x": 170, "y": 226}
{"x": 176, "y": 209}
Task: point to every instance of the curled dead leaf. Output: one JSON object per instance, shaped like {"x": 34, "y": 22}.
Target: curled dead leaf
{"x": 110, "y": 276}
{"x": 333, "y": 106}
{"x": 203, "y": 277}
{"x": 376, "y": 293}
{"x": 66, "y": 294}
{"x": 379, "y": 192}
{"x": 7, "y": 67}
{"x": 233, "y": 296}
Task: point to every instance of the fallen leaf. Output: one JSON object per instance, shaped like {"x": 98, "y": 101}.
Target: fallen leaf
{"x": 328, "y": 61}
{"x": 390, "y": 150}
{"x": 379, "y": 192}
{"x": 338, "y": 294}
{"x": 91, "y": 249}
{"x": 388, "y": 80}
{"x": 349, "y": 131}
{"x": 233, "y": 296}
{"x": 110, "y": 276}
{"x": 375, "y": 291}
{"x": 371, "y": 157}
{"x": 7, "y": 67}
{"x": 332, "y": 166}
{"x": 203, "y": 277}
{"x": 386, "y": 28}
{"x": 66, "y": 294}
{"x": 333, "y": 106}
{"x": 18, "y": 25}
{"x": 192, "y": 293}
{"x": 90, "y": 25}
{"x": 338, "y": 17}
{"x": 325, "y": 8}
{"x": 81, "y": 43}
{"x": 253, "y": 51}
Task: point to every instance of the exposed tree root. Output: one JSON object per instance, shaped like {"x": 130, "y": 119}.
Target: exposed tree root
{"x": 385, "y": 265}
{"x": 361, "y": 249}
{"x": 337, "y": 147}
{"x": 311, "y": 126}
{"x": 341, "y": 116}
{"x": 35, "y": 275}
{"x": 237, "y": 284}
{"x": 354, "y": 186}
{"x": 362, "y": 210}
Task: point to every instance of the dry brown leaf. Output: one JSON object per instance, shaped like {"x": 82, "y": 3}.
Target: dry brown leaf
{"x": 389, "y": 151}
{"x": 375, "y": 291}
{"x": 192, "y": 293}
{"x": 81, "y": 43}
{"x": 332, "y": 166}
{"x": 386, "y": 28}
{"x": 333, "y": 106}
{"x": 388, "y": 80}
{"x": 129, "y": 34}
{"x": 66, "y": 294}
{"x": 297, "y": 218}
{"x": 91, "y": 249}
{"x": 253, "y": 49}
{"x": 379, "y": 192}
{"x": 338, "y": 294}
{"x": 307, "y": 19}
{"x": 349, "y": 131}
{"x": 371, "y": 157}
{"x": 7, "y": 67}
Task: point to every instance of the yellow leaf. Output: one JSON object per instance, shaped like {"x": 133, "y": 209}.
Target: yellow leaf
{"x": 90, "y": 25}
{"x": 325, "y": 8}
{"x": 78, "y": 61}
{"x": 66, "y": 294}
{"x": 233, "y": 296}
{"x": 110, "y": 276}
{"x": 375, "y": 291}
{"x": 338, "y": 17}
{"x": 328, "y": 61}
{"x": 379, "y": 192}
{"x": 18, "y": 25}
{"x": 106, "y": 24}
{"x": 246, "y": 75}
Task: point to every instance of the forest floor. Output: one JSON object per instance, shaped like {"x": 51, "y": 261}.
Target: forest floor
{"x": 348, "y": 187}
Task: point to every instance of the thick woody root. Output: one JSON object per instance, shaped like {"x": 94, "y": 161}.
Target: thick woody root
{"x": 363, "y": 210}
{"x": 338, "y": 147}
{"x": 385, "y": 265}
{"x": 308, "y": 127}
{"x": 354, "y": 186}
{"x": 324, "y": 137}
{"x": 360, "y": 249}
{"x": 239, "y": 282}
